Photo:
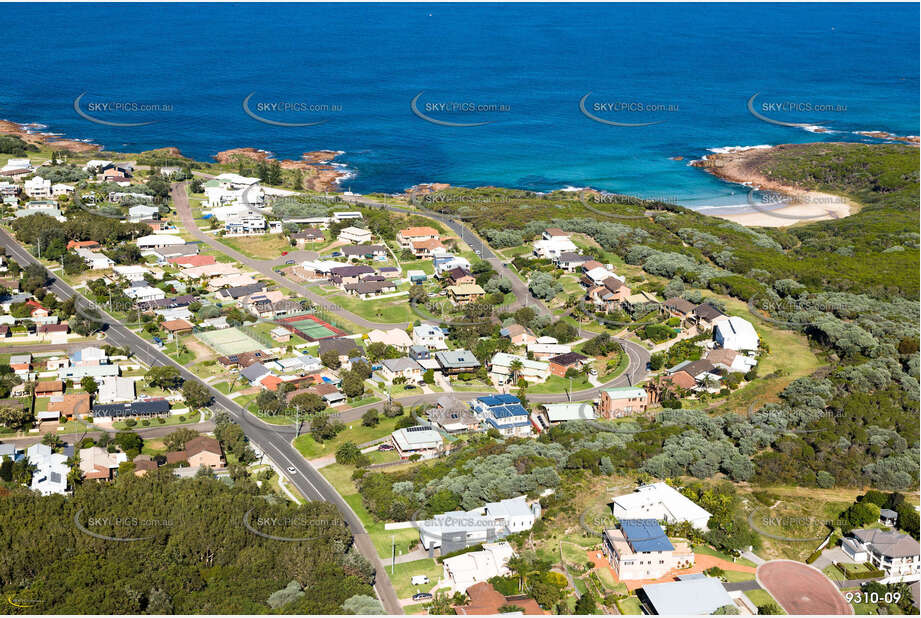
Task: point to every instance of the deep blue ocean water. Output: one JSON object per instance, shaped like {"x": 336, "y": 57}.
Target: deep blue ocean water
{"x": 695, "y": 66}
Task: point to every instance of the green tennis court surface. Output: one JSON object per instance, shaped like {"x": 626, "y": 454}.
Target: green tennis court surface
{"x": 311, "y": 327}
{"x": 229, "y": 341}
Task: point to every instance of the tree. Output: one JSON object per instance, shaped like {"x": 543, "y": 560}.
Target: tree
{"x": 515, "y": 367}
{"x": 769, "y": 609}
{"x": 330, "y": 358}
{"x": 129, "y": 442}
{"x": 348, "y": 453}
{"x": 428, "y": 377}
{"x": 544, "y": 285}
{"x": 370, "y": 418}
{"x": 362, "y": 604}
{"x": 176, "y": 440}
{"x": 196, "y": 394}
{"x": 727, "y": 609}
{"x": 89, "y": 385}
{"x": 308, "y": 403}
{"x": 586, "y": 605}
{"x": 323, "y": 429}
{"x": 352, "y": 384}
{"x": 16, "y": 417}
{"x": 166, "y": 377}
{"x": 52, "y": 439}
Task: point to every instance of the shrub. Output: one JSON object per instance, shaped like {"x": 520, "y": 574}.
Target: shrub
{"x": 130, "y": 422}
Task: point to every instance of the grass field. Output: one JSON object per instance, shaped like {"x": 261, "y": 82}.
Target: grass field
{"x": 262, "y": 247}
{"x": 762, "y": 597}
{"x": 393, "y": 310}
{"x": 556, "y": 384}
{"x": 629, "y": 606}
{"x": 229, "y": 341}
{"x": 402, "y": 574}
{"x": 356, "y": 432}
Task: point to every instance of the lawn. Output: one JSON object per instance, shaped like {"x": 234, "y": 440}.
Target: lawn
{"x": 356, "y": 432}
{"x": 402, "y": 573}
{"x": 630, "y": 606}
{"x": 340, "y": 477}
{"x": 762, "y": 597}
{"x": 556, "y": 384}
{"x": 607, "y": 580}
{"x": 738, "y": 576}
{"x": 262, "y": 247}
{"x": 706, "y": 549}
{"x": 172, "y": 419}
{"x": 391, "y": 310}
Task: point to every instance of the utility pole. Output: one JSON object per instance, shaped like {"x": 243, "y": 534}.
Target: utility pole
{"x": 393, "y": 553}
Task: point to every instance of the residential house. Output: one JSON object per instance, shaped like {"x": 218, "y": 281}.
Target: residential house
{"x": 553, "y": 248}
{"x": 144, "y": 293}
{"x": 542, "y": 350}
{"x": 418, "y": 440}
{"x": 360, "y": 252}
{"x": 247, "y": 224}
{"x": 94, "y": 260}
{"x": 60, "y": 189}
{"x": 136, "y": 409}
{"x": 395, "y": 337}
{"x": 71, "y": 406}
{"x": 37, "y": 188}
{"x": 239, "y": 291}
{"x": 177, "y": 327}
{"x": 308, "y": 235}
{"x": 467, "y": 569}
{"x": 459, "y": 276}
{"x": 639, "y": 549}
{"x": 465, "y": 294}
{"x": 280, "y": 334}
{"x": 702, "y": 372}
{"x": 730, "y": 360}
{"x": 518, "y": 334}
{"x": 420, "y": 353}
{"x": 427, "y": 248}
{"x": 610, "y": 295}
{"x": 49, "y": 388}
{"x": 370, "y": 287}
{"x": 392, "y": 368}
{"x": 430, "y": 336}
{"x": 405, "y": 238}
{"x": 735, "y": 333}
{"x": 571, "y": 261}
{"x": 21, "y": 363}
{"x": 492, "y": 521}
{"x": 17, "y": 163}
{"x": 140, "y": 213}
{"x": 255, "y": 372}
{"x": 501, "y": 369}
{"x": 707, "y": 315}
{"x": 192, "y": 261}
{"x": 679, "y": 307}
{"x": 90, "y": 355}
{"x": 661, "y": 502}
{"x": 453, "y": 416}
{"x": 623, "y": 401}
{"x": 416, "y": 276}
{"x": 113, "y": 389}
{"x": 638, "y": 301}
{"x": 554, "y": 232}
{"x": 204, "y": 452}
{"x": 347, "y": 215}
{"x": 144, "y": 464}
{"x": 51, "y": 470}
{"x": 389, "y": 272}
{"x": 443, "y": 262}
{"x": 157, "y": 241}
{"x": 504, "y": 413}
{"x": 484, "y": 600}
{"x": 563, "y": 412}
{"x": 896, "y": 554}
{"x": 99, "y": 464}
{"x": 689, "y": 596}
{"x": 343, "y": 346}
{"x": 343, "y": 275}
{"x": 355, "y": 235}
{"x": 456, "y": 361}
{"x": 562, "y": 363}
{"x": 92, "y": 245}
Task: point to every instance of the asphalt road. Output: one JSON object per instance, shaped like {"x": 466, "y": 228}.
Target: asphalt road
{"x": 304, "y": 477}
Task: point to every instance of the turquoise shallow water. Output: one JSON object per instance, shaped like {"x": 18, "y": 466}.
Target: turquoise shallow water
{"x": 688, "y": 68}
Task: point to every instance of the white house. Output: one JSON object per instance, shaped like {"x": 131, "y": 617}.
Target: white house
{"x": 155, "y": 241}
{"x": 501, "y": 371}
{"x": 418, "y": 440}
{"x": 490, "y": 522}
{"x": 897, "y": 554}
{"x": 468, "y": 569}
{"x": 355, "y": 235}
{"x": 144, "y": 293}
{"x": 430, "y": 336}
{"x": 61, "y": 189}
{"x": 554, "y": 247}
{"x": 661, "y": 502}
{"x": 735, "y": 333}
{"x": 131, "y": 272}
{"x": 16, "y": 164}
{"x": 115, "y": 389}
{"x": 95, "y": 261}
{"x": 139, "y": 213}
{"x": 37, "y": 187}
{"x": 405, "y": 367}
{"x": 50, "y": 476}
{"x": 395, "y": 337}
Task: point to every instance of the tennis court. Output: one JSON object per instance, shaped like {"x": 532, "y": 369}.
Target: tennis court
{"x": 229, "y": 341}
{"x": 310, "y": 327}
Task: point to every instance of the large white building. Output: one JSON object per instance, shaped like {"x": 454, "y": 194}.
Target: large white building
{"x": 468, "y": 569}
{"x": 430, "y": 336}
{"x": 554, "y": 247}
{"x": 661, "y": 502}
{"x": 735, "y": 333}
{"x": 897, "y": 554}
{"x": 37, "y": 187}
{"x": 155, "y": 241}
{"x": 490, "y": 522}
{"x": 50, "y": 476}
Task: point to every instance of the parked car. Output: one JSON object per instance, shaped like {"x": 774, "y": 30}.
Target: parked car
{"x": 385, "y": 447}
{"x": 422, "y": 596}
{"x": 419, "y": 580}
{"x": 592, "y": 372}
{"x": 284, "y": 253}
{"x": 289, "y": 262}
{"x": 335, "y": 254}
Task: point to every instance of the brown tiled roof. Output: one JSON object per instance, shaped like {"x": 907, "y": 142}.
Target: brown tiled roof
{"x": 49, "y": 387}
{"x": 201, "y": 444}
{"x": 485, "y": 600}
{"x": 176, "y": 457}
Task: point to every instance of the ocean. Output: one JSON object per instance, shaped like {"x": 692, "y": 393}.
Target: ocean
{"x": 617, "y": 97}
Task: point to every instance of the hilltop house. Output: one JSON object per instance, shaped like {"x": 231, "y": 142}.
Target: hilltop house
{"x": 501, "y": 370}
{"x": 355, "y": 235}
{"x": 897, "y": 554}
{"x": 735, "y": 333}
{"x": 430, "y": 336}
{"x": 504, "y": 413}
{"x": 661, "y": 502}
{"x": 456, "y": 361}
{"x": 51, "y": 470}
{"x": 418, "y": 440}
{"x": 407, "y": 236}
{"x": 639, "y": 549}
{"x": 623, "y": 401}
{"x": 492, "y": 521}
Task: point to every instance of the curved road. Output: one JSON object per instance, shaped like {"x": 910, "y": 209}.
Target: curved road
{"x": 310, "y": 483}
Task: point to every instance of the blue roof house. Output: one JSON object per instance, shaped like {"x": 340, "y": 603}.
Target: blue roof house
{"x": 504, "y": 413}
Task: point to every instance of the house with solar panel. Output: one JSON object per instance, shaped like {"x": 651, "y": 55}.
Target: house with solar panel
{"x": 504, "y": 413}
{"x": 639, "y": 549}
{"x": 419, "y": 440}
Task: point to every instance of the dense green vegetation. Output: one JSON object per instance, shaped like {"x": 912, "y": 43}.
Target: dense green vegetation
{"x": 197, "y": 555}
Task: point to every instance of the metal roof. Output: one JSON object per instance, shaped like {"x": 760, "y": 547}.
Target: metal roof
{"x": 645, "y": 535}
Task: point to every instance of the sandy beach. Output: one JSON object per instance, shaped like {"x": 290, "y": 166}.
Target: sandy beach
{"x": 775, "y": 204}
